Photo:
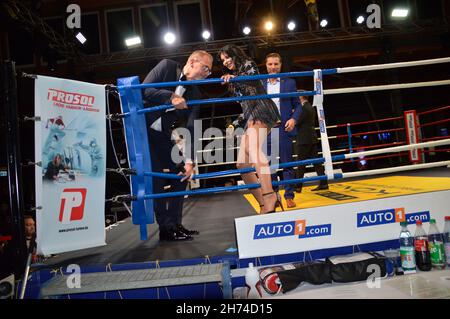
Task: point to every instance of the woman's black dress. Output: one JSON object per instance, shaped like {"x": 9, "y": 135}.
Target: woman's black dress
{"x": 263, "y": 110}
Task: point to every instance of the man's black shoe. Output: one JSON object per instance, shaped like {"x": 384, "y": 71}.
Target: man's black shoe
{"x": 187, "y": 231}
{"x": 320, "y": 188}
{"x": 174, "y": 236}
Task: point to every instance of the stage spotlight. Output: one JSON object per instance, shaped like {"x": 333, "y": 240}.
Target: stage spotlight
{"x": 291, "y": 26}
{"x": 169, "y": 38}
{"x": 133, "y": 42}
{"x": 80, "y": 37}
{"x": 399, "y": 13}
{"x": 206, "y": 34}
{"x": 323, "y": 23}
{"x": 360, "y": 20}
{"x": 246, "y": 30}
{"x": 268, "y": 26}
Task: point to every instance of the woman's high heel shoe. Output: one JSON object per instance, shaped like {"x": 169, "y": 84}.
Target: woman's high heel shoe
{"x": 277, "y": 203}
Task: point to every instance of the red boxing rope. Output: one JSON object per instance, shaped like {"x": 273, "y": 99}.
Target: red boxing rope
{"x": 371, "y": 132}
{"x": 434, "y": 123}
{"x": 434, "y": 110}
{"x": 372, "y": 121}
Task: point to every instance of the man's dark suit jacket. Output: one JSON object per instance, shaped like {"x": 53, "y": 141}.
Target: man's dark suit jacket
{"x": 290, "y": 108}
{"x": 168, "y": 71}
{"x": 306, "y": 133}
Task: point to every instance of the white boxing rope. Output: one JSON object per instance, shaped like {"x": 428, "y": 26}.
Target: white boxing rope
{"x": 213, "y": 138}
{"x": 385, "y": 87}
{"x": 217, "y": 164}
{"x": 391, "y": 65}
{"x": 396, "y": 149}
{"x": 393, "y": 149}
{"x": 395, "y": 169}
{"x": 318, "y": 103}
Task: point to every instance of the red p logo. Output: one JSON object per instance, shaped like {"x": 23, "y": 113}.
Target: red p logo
{"x": 72, "y": 204}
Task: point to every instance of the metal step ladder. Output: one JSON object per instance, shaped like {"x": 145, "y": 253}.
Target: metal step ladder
{"x": 144, "y": 278}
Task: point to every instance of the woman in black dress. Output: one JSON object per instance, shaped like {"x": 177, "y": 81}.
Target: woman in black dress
{"x": 54, "y": 167}
{"x": 261, "y": 116}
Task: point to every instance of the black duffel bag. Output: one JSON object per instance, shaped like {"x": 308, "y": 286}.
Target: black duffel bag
{"x": 356, "y": 267}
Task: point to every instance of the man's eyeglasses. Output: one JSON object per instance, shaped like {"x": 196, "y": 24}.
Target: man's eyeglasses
{"x": 205, "y": 68}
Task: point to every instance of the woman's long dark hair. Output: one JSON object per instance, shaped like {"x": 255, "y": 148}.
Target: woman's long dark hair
{"x": 234, "y": 52}
{"x": 56, "y": 156}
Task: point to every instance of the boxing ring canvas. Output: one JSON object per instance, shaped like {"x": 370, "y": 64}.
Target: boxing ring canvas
{"x": 362, "y": 190}
{"x": 355, "y": 222}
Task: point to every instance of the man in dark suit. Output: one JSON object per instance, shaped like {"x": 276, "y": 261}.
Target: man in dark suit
{"x": 168, "y": 211}
{"x": 306, "y": 145}
{"x": 290, "y": 110}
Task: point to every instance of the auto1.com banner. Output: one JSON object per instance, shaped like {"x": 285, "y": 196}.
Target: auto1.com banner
{"x": 70, "y": 142}
{"x": 341, "y": 225}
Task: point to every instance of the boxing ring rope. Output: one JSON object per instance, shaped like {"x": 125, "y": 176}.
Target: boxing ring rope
{"x": 434, "y": 110}
{"x": 362, "y": 89}
{"x": 307, "y": 179}
{"x": 376, "y": 67}
{"x": 365, "y": 122}
{"x": 436, "y": 122}
{"x": 312, "y": 161}
{"x": 220, "y": 81}
{"x": 370, "y": 132}
{"x": 132, "y": 100}
{"x": 386, "y": 87}
{"x": 286, "y": 95}
{"x": 435, "y": 138}
{"x": 225, "y": 100}
{"x": 350, "y": 134}
{"x": 422, "y": 114}
{"x": 399, "y": 118}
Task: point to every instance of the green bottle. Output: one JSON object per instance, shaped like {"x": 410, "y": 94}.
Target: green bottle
{"x": 436, "y": 246}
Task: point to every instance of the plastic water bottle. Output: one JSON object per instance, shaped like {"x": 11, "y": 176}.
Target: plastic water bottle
{"x": 423, "y": 260}
{"x": 407, "y": 250}
{"x": 447, "y": 239}
{"x": 436, "y": 246}
{"x": 252, "y": 282}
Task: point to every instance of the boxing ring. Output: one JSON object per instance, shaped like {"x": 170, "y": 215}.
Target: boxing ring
{"x": 257, "y": 240}
{"x": 130, "y": 92}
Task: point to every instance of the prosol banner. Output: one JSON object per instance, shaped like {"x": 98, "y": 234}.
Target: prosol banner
{"x": 70, "y": 142}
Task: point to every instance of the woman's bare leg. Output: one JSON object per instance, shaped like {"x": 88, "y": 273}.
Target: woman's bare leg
{"x": 256, "y": 135}
{"x": 244, "y": 162}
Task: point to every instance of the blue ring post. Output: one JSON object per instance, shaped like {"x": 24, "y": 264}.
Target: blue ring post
{"x": 138, "y": 153}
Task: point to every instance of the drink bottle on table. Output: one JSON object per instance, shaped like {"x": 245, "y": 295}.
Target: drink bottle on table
{"x": 447, "y": 240}
{"x": 423, "y": 260}
{"x": 436, "y": 246}
{"x": 407, "y": 250}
